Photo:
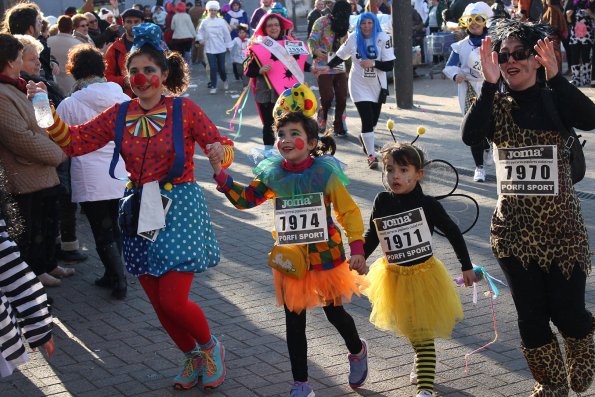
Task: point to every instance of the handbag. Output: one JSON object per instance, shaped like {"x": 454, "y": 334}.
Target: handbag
{"x": 128, "y": 213}
{"x": 290, "y": 260}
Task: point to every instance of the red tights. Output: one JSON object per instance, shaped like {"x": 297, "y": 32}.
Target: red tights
{"x": 183, "y": 319}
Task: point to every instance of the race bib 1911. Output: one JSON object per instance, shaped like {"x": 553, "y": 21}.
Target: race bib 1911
{"x": 300, "y": 219}
{"x": 404, "y": 237}
{"x": 530, "y": 170}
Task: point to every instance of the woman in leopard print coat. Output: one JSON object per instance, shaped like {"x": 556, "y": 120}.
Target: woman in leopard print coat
{"x": 537, "y": 234}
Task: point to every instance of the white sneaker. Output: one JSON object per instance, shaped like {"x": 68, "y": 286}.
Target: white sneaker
{"x": 413, "y": 373}
{"x": 226, "y": 85}
{"x": 424, "y": 393}
{"x": 213, "y": 91}
{"x": 480, "y": 174}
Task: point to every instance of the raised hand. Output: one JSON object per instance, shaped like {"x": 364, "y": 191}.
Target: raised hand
{"x": 489, "y": 61}
{"x": 546, "y": 56}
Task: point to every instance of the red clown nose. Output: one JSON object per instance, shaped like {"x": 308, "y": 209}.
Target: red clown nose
{"x": 138, "y": 79}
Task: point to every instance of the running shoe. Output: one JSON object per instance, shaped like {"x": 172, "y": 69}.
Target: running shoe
{"x": 190, "y": 372}
{"x": 213, "y": 91}
{"x": 213, "y": 369}
{"x": 301, "y": 389}
{"x": 372, "y": 162}
{"x": 424, "y": 393}
{"x": 321, "y": 126}
{"x": 480, "y": 174}
{"x": 358, "y": 367}
{"x": 226, "y": 85}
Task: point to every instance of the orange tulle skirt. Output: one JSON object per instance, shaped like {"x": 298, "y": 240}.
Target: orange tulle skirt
{"x": 419, "y": 302}
{"x": 318, "y": 288}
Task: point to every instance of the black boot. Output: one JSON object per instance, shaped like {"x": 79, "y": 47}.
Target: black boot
{"x": 114, "y": 270}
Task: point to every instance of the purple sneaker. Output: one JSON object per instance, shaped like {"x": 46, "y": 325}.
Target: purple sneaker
{"x": 358, "y": 367}
{"x": 301, "y": 389}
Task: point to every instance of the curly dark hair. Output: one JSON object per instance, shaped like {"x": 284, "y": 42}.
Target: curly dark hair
{"x": 178, "y": 76}
{"x": 326, "y": 144}
{"x": 527, "y": 33}
{"x": 85, "y": 60}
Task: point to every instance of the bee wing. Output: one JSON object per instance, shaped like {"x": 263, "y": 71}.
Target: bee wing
{"x": 462, "y": 209}
{"x": 440, "y": 178}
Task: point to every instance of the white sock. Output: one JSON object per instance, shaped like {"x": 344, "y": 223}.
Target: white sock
{"x": 368, "y": 138}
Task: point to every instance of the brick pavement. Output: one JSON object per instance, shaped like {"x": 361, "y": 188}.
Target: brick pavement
{"x": 112, "y": 348}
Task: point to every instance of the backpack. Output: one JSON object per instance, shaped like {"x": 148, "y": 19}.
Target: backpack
{"x": 572, "y": 142}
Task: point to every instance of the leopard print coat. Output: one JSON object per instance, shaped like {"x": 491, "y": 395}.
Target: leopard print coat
{"x": 547, "y": 230}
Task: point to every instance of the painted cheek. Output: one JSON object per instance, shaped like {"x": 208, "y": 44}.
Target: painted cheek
{"x": 138, "y": 79}
{"x": 299, "y": 143}
{"x": 155, "y": 82}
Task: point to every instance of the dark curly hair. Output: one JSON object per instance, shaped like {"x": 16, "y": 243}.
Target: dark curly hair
{"x": 325, "y": 145}
{"x": 172, "y": 62}
{"x": 85, "y": 60}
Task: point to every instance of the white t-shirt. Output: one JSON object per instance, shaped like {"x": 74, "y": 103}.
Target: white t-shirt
{"x": 364, "y": 84}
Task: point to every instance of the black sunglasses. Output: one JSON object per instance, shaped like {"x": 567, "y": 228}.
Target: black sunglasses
{"x": 517, "y": 55}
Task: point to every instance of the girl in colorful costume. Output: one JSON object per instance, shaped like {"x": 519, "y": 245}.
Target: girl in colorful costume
{"x": 410, "y": 290}
{"x": 152, "y": 140}
{"x": 272, "y": 68}
{"x": 464, "y": 68}
{"x": 304, "y": 173}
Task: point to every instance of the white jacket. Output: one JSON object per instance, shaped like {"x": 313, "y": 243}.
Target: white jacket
{"x": 89, "y": 174}
{"x": 182, "y": 26}
{"x": 214, "y": 32}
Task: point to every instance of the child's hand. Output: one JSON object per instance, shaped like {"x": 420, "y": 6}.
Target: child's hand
{"x": 357, "y": 263}
{"x": 459, "y": 78}
{"x": 215, "y": 153}
{"x": 469, "y": 277}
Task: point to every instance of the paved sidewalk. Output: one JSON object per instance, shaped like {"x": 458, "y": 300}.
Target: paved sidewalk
{"x": 113, "y": 348}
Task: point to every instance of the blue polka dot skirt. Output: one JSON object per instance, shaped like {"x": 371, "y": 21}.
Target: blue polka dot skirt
{"x": 186, "y": 244}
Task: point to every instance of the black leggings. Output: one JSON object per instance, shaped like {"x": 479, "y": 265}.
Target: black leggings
{"x": 266, "y": 112}
{"x": 580, "y": 54}
{"x": 296, "y": 337}
{"x": 369, "y": 112}
{"x": 477, "y": 152}
{"x": 540, "y": 297}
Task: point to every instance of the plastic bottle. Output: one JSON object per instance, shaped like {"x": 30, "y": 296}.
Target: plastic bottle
{"x": 43, "y": 112}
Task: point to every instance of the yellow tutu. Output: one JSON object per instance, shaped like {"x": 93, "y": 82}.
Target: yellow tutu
{"x": 318, "y": 288}
{"x": 419, "y": 302}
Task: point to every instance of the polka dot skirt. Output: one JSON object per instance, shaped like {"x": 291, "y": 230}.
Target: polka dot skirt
{"x": 186, "y": 244}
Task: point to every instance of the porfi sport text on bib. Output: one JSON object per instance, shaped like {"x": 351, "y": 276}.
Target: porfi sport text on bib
{"x": 530, "y": 170}
{"x": 300, "y": 219}
{"x": 404, "y": 237}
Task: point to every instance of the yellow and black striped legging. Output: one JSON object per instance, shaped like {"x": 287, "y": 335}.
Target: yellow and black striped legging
{"x": 425, "y": 364}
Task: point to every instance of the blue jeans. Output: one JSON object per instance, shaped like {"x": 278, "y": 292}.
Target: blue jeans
{"x": 217, "y": 64}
